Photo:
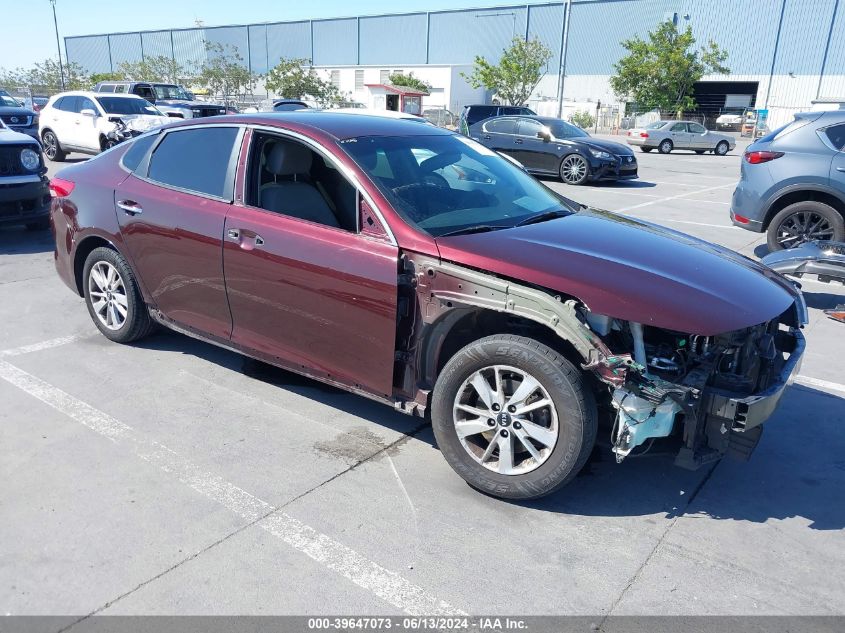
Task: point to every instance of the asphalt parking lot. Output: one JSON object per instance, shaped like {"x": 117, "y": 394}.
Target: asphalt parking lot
{"x": 173, "y": 477}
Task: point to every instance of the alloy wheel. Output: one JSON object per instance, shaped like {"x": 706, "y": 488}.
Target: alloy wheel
{"x": 505, "y": 420}
{"x": 574, "y": 169}
{"x": 107, "y": 294}
{"x": 50, "y": 145}
{"x": 722, "y": 148}
{"x": 803, "y": 226}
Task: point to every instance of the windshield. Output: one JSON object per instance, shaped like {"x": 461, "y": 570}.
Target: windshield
{"x": 126, "y": 105}
{"x": 656, "y": 125}
{"x": 447, "y": 183}
{"x": 562, "y": 129}
{"x": 171, "y": 92}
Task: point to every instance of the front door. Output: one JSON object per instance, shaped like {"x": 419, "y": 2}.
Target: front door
{"x": 172, "y": 211}
{"x": 87, "y": 132}
{"x": 699, "y": 138}
{"x": 534, "y": 152}
{"x": 680, "y": 136}
{"x": 304, "y": 285}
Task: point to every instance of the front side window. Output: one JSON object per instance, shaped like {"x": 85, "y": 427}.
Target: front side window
{"x": 562, "y": 129}
{"x": 448, "y": 183}
{"x": 171, "y": 92}
{"x": 695, "y": 128}
{"x": 128, "y": 105}
{"x": 145, "y": 92}
{"x": 530, "y": 127}
{"x": 84, "y": 103}
{"x": 196, "y": 160}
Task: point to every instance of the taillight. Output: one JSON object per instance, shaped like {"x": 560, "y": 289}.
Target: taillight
{"x": 643, "y": 134}
{"x": 755, "y": 158}
{"x": 741, "y": 219}
{"x": 60, "y": 188}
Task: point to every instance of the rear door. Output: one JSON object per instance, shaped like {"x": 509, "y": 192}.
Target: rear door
{"x": 172, "y": 211}
{"x": 498, "y": 134}
{"x": 836, "y": 135}
{"x": 679, "y": 136}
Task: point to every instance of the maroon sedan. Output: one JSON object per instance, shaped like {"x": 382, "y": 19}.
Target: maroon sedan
{"x": 415, "y": 266}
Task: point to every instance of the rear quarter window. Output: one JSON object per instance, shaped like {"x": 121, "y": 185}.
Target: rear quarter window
{"x": 836, "y": 135}
{"x": 195, "y": 160}
{"x": 136, "y": 152}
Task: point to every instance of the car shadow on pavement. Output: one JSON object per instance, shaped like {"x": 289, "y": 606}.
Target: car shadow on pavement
{"x": 824, "y": 300}
{"x": 17, "y": 240}
{"x": 358, "y": 406}
{"x": 797, "y": 471}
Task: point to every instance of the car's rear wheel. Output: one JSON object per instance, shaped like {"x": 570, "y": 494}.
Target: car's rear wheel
{"x": 804, "y": 222}
{"x": 513, "y": 417}
{"x": 665, "y": 146}
{"x": 113, "y": 298}
{"x": 52, "y": 149}
{"x": 722, "y": 148}
{"x": 646, "y": 149}
{"x": 574, "y": 169}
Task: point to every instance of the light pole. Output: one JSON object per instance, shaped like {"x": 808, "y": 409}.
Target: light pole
{"x": 58, "y": 46}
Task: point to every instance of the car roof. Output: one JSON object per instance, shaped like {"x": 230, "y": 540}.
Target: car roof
{"x": 340, "y": 125}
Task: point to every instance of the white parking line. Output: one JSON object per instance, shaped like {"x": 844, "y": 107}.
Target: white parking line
{"x": 680, "y": 195}
{"x": 823, "y": 384}
{"x": 36, "y": 347}
{"x": 386, "y": 584}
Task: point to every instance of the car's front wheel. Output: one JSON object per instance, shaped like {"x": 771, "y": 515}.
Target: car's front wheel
{"x": 804, "y": 222}
{"x": 52, "y": 149}
{"x": 113, "y": 298}
{"x": 722, "y": 148}
{"x": 513, "y": 417}
{"x": 574, "y": 169}
{"x": 665, "y": 146}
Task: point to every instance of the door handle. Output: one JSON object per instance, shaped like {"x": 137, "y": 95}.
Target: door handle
{"x": 518, "y": 141}
{"x": 259, "y": 241}
{"x": 233, "y": 233}
{"x": 246, "y": 239}
{"x": 840, "y": 169}
{"x": 487, "y": 137}
{"x": 130, "y": 207}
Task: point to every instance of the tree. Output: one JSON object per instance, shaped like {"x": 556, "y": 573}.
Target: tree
{"x": 583, "y": 119}
{"x": 161, "y": 68}
{"x": 46, "y": 77}
{"x": 516, "y": 75}
{"x": 409, "y": 81}
{"x": 224, "y": 71}
{"x": 661, "y": 72}
{"x": 296, "y": 79}
{"x": 98, "y": 77}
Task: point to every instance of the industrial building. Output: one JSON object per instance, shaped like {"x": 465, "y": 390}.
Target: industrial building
{"x": 783, "y": 54}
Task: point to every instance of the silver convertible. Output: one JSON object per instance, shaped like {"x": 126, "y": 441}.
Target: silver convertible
{"x": 664, "y": 136}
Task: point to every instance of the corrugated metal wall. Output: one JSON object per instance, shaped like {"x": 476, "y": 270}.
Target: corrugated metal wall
{"x": 811, "y": 41}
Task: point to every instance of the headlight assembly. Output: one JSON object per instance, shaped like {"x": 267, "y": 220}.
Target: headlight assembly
{"x": 600, "y": 154}
{"x": 30, "y": 159}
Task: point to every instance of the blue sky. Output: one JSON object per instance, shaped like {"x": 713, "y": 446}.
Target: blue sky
{"x": 28, "y": 36}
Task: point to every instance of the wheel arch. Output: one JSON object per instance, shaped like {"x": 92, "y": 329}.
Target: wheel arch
{"x": 802, "y": 194}
{"x": 85, "y": 247}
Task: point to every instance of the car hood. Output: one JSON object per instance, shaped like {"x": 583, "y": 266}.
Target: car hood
{"x": 8, "y": 136}
{"x": 631, "y": 270}
{"x": 13, "y": 110}
{"x": 142, "y": 122}
{"x": 608, "y": 146}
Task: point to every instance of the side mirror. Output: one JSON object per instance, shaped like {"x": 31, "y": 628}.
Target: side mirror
{"x": 543, "y": 134}
{"x": 88, "y": 112}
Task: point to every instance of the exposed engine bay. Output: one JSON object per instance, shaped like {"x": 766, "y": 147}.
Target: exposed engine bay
{"x": 131, "y": 125}
{"x": 710, "y": 384}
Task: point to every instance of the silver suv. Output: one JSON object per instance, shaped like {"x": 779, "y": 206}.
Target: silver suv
{"x": 792, "y": 182}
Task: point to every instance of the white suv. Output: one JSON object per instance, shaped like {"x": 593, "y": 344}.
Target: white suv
{"x": 89, "y": 122}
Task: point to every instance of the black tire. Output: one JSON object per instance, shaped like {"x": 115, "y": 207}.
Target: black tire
{"x": 786, "y": 224}
{"x": 51, "y": 147}
{"x": 568, "y": 166}
{"x": 665, "y": 146}
{"x": 722, "y": 148}
{"x": 572, "y": 400}
{"x": 41, "y": 225}
{"x": 646, "y": 150}
{"x": 700, "y": 151}
{"x": 137, "y": 322}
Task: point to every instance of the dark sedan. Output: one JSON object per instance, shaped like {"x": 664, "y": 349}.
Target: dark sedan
{"x": 547, "y": 146}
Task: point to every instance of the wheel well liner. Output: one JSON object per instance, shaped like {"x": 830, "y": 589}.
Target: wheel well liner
{"x": 803, "y": 195}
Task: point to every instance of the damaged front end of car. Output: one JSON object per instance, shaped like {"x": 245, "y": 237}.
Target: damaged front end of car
{"x": 713, "y": 392}
{"x": 719, "y": 389}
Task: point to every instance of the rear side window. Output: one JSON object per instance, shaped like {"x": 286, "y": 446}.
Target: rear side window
{"x": 784, "y": 130}
{"x": 68, "y": 104}
{"x": 479, "y": 113}
{"x": 679, "y": 127}
{"x": 501, "y": 126}
{"x": 196, "y": 160}
{"x": 836, "y": 134}
{"x": 136, "y": 152}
